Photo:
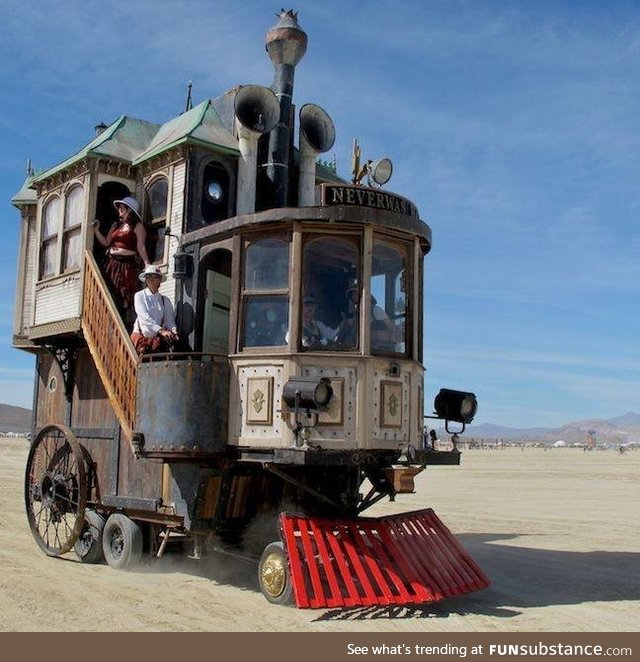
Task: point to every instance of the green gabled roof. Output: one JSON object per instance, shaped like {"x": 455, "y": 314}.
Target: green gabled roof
{"x": 125, "y": 139}
{"x": 201, "y": 125}
{"x": 26, "y": 195}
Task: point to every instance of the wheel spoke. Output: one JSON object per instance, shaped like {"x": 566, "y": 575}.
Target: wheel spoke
{"x": 56, "y": 489}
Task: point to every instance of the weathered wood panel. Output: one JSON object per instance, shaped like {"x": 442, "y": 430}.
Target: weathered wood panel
{"x": 137, "y": 477}
{"x": 50, "y": 398}
{"x": 91, "y": 407}
{"x": 58, "y": 300}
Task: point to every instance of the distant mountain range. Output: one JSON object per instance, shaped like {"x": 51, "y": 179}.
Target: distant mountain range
{"x": 620, "y": 429}
{"x": 14, "y": 419}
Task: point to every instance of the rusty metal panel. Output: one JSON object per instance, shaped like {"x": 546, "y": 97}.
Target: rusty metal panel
{"x": 182, "y": 404}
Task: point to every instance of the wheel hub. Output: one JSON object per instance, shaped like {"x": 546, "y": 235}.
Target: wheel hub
{"x": 274, "y": 574}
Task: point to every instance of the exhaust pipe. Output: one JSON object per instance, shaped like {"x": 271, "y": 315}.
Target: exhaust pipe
{"x": 257, "y": 111}
{"x": 317, "y": 135}
{"x": 286, "y": 44}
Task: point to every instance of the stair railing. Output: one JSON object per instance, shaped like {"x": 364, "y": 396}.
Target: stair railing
{"x": 110, "y": 346}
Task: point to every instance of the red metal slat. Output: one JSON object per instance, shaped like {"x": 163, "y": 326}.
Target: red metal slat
{"x": 420, "y": 593}
{"x": 401, "y": 559}
{"x": 385, "y": 593}
{"x": 322, "y": 531}
{"x": 295, "y": 567}
{"x": 442, "y": 541}
{"x": 339, "y": 552}
{"x": 437, "y": 564}
{"x": 416, "y": 551}
{"x": 480, "y": 580}
{"x": 349, "y": 530}
{"x": 318, "y": 599}
{"x": 389, "y": 567}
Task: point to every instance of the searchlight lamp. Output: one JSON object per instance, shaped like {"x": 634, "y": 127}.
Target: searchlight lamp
{"x": 309, "y": 394}
{"x": 457, "y": 406}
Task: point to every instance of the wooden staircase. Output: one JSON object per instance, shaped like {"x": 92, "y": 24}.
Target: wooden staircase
{"x": 110, "y": 346}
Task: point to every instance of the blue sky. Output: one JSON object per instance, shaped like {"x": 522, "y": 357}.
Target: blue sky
{"x": 513, "y": 126}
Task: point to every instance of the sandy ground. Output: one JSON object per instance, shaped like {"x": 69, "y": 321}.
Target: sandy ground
{"x": 557, "y": 531}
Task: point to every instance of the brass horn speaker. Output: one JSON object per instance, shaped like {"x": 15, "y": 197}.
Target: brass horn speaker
{"x": 256, "y": 108}
{"x": 257, "y": 111}
{"x": 316, "y": 128}
{"x": 317, "y": 135}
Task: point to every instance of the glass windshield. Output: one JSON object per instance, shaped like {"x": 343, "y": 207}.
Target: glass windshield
{"x": 331, "y": 266}
{"x": 389, "y": 300}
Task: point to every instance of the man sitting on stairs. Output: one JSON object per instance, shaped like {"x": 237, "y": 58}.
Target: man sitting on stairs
{"x": 155, "y": 327}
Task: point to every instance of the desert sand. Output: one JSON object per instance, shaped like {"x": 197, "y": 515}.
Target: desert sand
{"x": 557, "y": 531}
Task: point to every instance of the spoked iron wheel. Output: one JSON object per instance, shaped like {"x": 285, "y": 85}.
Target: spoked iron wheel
{"x": 55, "y": 489}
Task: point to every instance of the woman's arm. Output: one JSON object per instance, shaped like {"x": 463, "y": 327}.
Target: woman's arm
{"x": 105, "y": 241}
{"x": 141, "y": 239}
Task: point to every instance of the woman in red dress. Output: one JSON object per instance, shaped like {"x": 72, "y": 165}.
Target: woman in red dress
{"x": 126, "y": 245}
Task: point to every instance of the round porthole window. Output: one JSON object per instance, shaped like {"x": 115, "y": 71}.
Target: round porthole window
{"x": 52, "y": 385}
{"x": 214, "y": 191}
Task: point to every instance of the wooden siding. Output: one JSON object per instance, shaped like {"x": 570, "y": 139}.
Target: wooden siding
{"x": 27, "y": 274}
{"x": 58, "y": 300}
{"x": 51, "y": 404}
{"x": 90, "y": 407}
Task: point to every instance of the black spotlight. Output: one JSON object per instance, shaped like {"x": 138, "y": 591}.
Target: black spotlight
{"x": 307, "y": 393}
{"x": 457, "y": 406}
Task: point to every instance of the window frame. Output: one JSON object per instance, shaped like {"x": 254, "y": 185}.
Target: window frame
{"x": 356, "y": 240}
{"x": 61, "y": 232}
{"x": 159, "y": 223}
{"x": 407, "y": 249}
{"x": 71, "y": 230}
{"x": 253, "y": 294}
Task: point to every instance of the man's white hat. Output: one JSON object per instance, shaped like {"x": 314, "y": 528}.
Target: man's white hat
{"x": 130, "y": 202}
{"x": 151, "y": 270}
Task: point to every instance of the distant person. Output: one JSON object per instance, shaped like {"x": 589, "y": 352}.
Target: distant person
{"x": 126, "y": 250}
{"x": 314, "y": 332}
{"x": 155, "y": 327}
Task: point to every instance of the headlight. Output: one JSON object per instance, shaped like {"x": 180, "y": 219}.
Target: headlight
{"x": 307, "y": 393}
{"x": 457, "y": 406}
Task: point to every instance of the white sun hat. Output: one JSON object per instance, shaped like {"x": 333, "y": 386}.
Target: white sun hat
{"x": 152, "y": 270}
{"x": 130, "y": 202}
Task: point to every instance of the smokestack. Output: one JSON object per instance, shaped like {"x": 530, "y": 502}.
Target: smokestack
{"x": 286, "y": 44}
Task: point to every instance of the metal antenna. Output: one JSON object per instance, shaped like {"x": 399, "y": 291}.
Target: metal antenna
{"x": 189, "y": 103}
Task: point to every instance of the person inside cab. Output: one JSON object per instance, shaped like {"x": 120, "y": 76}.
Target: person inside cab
{"x": 315, "y": 333}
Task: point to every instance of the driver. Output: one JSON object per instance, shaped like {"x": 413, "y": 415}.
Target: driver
{"x": 314, "y": 332}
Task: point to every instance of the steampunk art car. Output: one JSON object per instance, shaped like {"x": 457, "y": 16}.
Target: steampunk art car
{"x": 296, "y": 402}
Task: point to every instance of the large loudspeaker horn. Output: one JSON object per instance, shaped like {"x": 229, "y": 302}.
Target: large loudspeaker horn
{"x": 317, "y": 135}
{"x": 257, "y": 108}
{"x": 257, "y": 111}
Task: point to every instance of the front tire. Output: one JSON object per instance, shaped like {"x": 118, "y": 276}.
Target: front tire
{"x": 122, "y": 542}
{"x": 274, "y": 576}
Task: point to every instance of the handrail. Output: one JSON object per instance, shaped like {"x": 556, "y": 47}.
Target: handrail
{"x": 110, "y": 346}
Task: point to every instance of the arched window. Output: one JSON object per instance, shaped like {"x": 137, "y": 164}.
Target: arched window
{"x": 157, "y": 202}
{"x": 71, "y": 234}
{"x": 265, "y": 292}
{"x": 330, "y": 286}
{"x": 51, "y": 222}
{"x": 61, "y": 237}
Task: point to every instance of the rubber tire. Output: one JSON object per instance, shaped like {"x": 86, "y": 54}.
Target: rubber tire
{"x": 122, "y": 542}
{"x": 88, "y": 547}
{"x": 285, "y": 597}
